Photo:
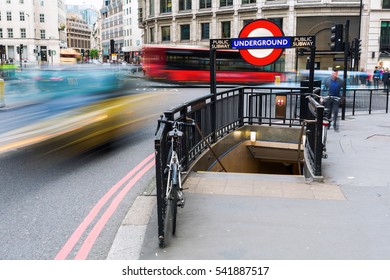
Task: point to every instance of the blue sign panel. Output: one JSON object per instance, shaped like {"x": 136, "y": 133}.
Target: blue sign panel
{"x": 261, "y": 43}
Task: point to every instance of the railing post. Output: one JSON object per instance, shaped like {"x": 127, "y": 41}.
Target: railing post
{"x": 241, "y": 106}
{"x": 159, "y": 188}
{"x": 318, "y": 145}
{"x": 369, "y": 107}
{"x": 353, "y": 102}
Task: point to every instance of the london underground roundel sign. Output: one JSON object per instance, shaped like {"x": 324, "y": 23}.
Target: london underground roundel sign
{"x": 261, "y": 28}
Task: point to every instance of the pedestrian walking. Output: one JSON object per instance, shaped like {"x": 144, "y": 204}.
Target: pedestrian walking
{"x": 333, "y": 85}
{"x": 363, "y": 77}
{"x": 385, "y": 79}
{"x": 376, "y": 76}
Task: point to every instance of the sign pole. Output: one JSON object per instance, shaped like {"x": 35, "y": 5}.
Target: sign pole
{"x": 213, "y": 72}
{"x": 312, "y": 63}
{"x": 213, "y": 89}
{"x": 346, "y": 52}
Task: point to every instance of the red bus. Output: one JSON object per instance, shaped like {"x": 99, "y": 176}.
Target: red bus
{"x": 192, "y": 64}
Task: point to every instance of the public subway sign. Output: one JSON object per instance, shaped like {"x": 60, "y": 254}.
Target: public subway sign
{"x": 272, "y": 42}
{"x": 261, "y": 42}
{"x": 264, "y": 43}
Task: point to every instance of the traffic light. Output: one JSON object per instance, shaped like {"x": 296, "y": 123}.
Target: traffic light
{"x": 82, "y": 52}
{"x": 358, "y": 46}
{"x": 336, "y": 39}
{"x": 21, "y": 48}
{"x": 43, "y": 55}
{"x": 112, "y": 46}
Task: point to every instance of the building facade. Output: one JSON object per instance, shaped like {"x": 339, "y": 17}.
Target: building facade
{"x": 35, "y": 27}
{"x": 78, "y": 32}
{"x": 132, "y": 33}
{"x": 112, "y": 35}
{"x": 195, "y": 22}
{"x": 88, "y": 14}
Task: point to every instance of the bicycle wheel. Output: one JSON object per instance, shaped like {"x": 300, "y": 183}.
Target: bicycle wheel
{"x": 174, "y": 197}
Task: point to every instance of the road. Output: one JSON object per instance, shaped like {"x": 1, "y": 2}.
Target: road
{"x": 71, "y": 207}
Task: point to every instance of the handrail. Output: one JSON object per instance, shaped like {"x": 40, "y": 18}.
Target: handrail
{"x": 220, "y": 114}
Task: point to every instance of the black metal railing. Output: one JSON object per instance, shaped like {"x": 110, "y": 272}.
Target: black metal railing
{"x": 218, "y": 115}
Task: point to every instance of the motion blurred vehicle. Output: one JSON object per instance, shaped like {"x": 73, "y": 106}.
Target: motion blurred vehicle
{"x": 192, "y": 65}
{"x": 79, "y": 78}
{"x": 354, "y": 78}
{"x": 70, "y": 56}
{"x": 60, "y": 127}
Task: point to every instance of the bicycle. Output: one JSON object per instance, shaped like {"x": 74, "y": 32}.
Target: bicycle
{"x": 326, "y": 121}
{"x": 174, "y": 196}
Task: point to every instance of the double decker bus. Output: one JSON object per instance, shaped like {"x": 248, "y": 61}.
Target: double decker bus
{"x": 192, "y": 65}
{"x": 70, "y": 56}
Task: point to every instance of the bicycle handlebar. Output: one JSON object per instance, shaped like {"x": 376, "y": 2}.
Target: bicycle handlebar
{"x": 175, "y": 124}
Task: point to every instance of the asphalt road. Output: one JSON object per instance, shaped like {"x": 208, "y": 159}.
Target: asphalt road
{"x": 72, "y": 207}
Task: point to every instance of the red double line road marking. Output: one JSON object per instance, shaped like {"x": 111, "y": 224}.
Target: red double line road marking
{"x": 141, "y": 169}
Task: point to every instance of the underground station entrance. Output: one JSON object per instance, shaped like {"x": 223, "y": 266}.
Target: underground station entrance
{"x": 256, "y": 149}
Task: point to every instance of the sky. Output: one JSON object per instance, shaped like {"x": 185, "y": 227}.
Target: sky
{"x": 96, "y": 3}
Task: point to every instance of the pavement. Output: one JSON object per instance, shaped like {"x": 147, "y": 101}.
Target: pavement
{"x": 231, "y": 216}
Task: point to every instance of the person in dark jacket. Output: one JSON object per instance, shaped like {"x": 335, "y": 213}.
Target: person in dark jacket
{"x": 376, "y": 75}
{"x": 385, "y": 79}
{"x": 333, "y": 85}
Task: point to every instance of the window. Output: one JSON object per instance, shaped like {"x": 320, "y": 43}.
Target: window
{"x": 10, "y": 32}
{"x": 41, "y": 3}
{"x": 248, "y": 2}
{"x": 8, "y": 2}
{"x": 246, "y": 21}
{"x": 151, "y": 35}
{"x": 41, "y": 18}
{"x": 386, "y": 4}
{"x": 165, "y": 33}
{"x": 21, "y": 16}
{"x": 21, "y": 1}
{"x": 43, "y": 34}
{"x": 226, "y": 29}
{"x": 203, "y": 4}
{"x": 225, "y": 3}
{"x": 22, "y": 32}
{"x": 278, "y": 22}
{"x": 151, "y": 8}
{"x": 185, "y": 32}
{"x": 385, "y": 36}
{"x": 165, "y": 6}
{"x": 9, "y": 16}
{"x": 205, "y": 30}
{"x": 184, "y": 5}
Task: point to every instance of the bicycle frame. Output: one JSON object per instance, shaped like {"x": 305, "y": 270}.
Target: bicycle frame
{"x": 174, "y": 161}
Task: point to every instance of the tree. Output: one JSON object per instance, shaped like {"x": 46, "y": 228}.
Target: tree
{"x": 94, "y": 54}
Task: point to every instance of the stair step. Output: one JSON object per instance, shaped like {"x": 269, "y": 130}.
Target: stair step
{"x": 264, "y": 185}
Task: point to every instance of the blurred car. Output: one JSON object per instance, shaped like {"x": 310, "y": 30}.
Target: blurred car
{"x": 79, "y": 78}
{"x": 71, "y": 131}
{"x": 354, "y": 78}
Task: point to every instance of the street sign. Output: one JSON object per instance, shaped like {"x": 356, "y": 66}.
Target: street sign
{"x": 258, "y": 29}
{"x": 261, "y": 42}
{"x": 221, "y": 44}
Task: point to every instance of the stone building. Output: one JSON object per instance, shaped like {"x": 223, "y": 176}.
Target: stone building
{"x": 36, "y": 26}
{"x": 195, "y": 22}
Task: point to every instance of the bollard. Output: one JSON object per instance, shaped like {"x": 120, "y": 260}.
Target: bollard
{"x": 2, "y": 103}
